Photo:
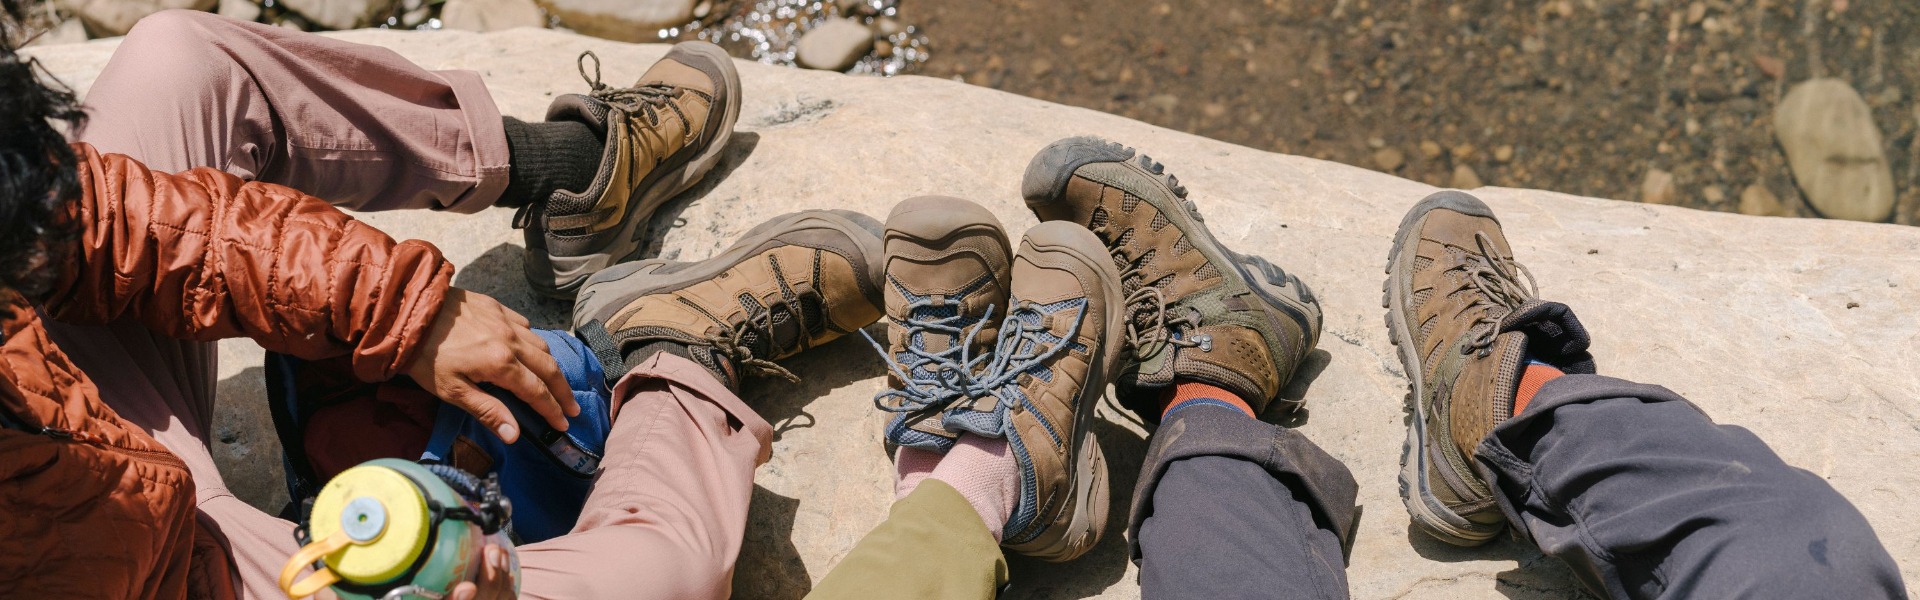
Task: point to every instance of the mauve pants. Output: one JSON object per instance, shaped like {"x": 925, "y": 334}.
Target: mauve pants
{"x": 367, "y": 130}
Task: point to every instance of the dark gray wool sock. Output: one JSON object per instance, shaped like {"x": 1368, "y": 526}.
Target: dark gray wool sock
{"x": 548, "y": 156}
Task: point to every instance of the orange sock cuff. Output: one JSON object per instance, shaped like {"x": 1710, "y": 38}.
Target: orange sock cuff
{"x": 1184, "y": 392}
{"x": 1531, "y": 378}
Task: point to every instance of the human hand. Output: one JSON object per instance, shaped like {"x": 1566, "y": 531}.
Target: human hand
{"x": 496, "y": 578}
{"x": 473, "y": 341}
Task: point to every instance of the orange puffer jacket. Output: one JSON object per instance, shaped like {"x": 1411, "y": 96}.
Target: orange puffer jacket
{"x": 90, "y": 505}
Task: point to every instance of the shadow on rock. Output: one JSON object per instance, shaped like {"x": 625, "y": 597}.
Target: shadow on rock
{"x": 500, "y": 273}
{"x": 667, "y": 217}
{"x": 1090, "y": 575}
{"x": 244, "y": 446}
{"x": 821, "y": 370}
{"x": 770, "y": 565}
{"x": 1282, "y": 412}
{"x": 1536, "y": 577}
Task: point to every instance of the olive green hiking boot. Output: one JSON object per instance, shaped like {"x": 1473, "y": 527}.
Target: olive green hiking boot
{"x": 947, "y": 276}
{"x": 1195, "y": 310}
{"x": 1452, "y": 286}
{"x": 792, "y": 283}
{"x": 1056, "y": 351}
{"x": 662, "y": 136}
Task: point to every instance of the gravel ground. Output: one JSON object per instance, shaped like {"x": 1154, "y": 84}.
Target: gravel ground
{"x": 1577, "y": 96}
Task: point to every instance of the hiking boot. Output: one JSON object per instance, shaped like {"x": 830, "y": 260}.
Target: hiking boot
{"x": 662, "y": 135}
{"x": 947, "y": 263}
{"x": 792, "y": 283}
{"x": 1055, "y": 353}
{"x": 1452, "y": 286}
{"x": 1194, "y": 309}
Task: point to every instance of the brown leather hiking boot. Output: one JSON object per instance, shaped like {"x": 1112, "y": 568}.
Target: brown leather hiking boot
{"x": 1196, "y": 310}
{"x": 1056, "y": 350}
{"x": 792, "y": 283}
{"x": 662, "y": 135}
{"x": 1452, "y": 290}
{"x": 947, "y": 274}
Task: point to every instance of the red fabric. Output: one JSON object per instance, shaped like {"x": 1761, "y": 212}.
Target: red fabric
{"x": 1531, "y": 378}
{"x": 396, "y": 420}
{"x": 1192, "y": 390}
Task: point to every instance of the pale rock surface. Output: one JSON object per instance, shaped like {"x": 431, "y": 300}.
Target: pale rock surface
{"x": 108, "y": 18}
{"x": 70, "y": 31}
{"x": 342, "y": 14}
{"x": 490, "y": 15}
{"x": 1748, "y": 317}
{"x": 834, "y": 46}
{"x": 1835, "y": 150}
{"x": 624, "y": 20}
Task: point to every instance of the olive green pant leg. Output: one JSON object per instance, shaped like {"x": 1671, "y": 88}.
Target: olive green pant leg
{"x": 931, "y": 546}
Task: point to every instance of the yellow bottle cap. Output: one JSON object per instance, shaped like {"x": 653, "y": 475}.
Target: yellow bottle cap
{"x": 384, "y": 516}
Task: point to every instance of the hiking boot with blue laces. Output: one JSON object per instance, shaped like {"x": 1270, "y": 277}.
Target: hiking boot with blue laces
{"x": 1052, "y": 358}
{"x": 947, "y": 263}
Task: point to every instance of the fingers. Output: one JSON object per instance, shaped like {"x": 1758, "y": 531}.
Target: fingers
{"x": 464, "y": 591}
{"x": 518, "y": 379}
{"x": 540, "y": 361}
{"x": 483, "y": 406}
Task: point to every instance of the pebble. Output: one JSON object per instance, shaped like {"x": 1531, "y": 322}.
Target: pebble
{"x": 888, "y": 25}
{"x": 1376, "y": 143}
{"x": 1835, "y": 150}
{"x": 882, "y": 48}
{"x": 1714, "y": 194}
{"x": 490, "y": 15}
{"x": 1503, "y": 153}
{"x": 245, "y": 10}
{"x": 834, "y": 46}
{"x": 1696, "y": 13}
{"x": 1165, "y": 102}
{"x": 1464, "y": 178}
{"x": 1430, "y": 149}
{"x": 701, "y": 10}
{"x": 1759, "y": 201}
{"x": 1658, "y": 188}
{"x": 1463, "y": 152}
{"x": 1772, "y": 67}
{"x": 1389, "y": 159}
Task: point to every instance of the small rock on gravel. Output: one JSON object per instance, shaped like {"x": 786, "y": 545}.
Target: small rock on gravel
{"x": 1835, "y": 150}
{"x": 1389, "y": 159}
{"x": 1759, "y": 201}
{"x": 622, "y": 20}
{"x": 1430, "y": 149}
{"x": 245, "y": 10}
{"x": 834, "y": 46}
{"x": 1464, "y": 178}
{"x": 490, "y": 15}
{"x": 341, "y": 14}
{"x": 1503, "y": 153}
{"x": 108, "y": 18}
{"x": 1658, "y": 188}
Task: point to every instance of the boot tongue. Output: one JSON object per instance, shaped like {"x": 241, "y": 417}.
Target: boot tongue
{"x": 1554, "y": 335}
{"x": 585, "y": 109}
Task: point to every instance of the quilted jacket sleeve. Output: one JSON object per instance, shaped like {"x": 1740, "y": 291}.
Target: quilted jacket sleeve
{"x": 203, "y": 255}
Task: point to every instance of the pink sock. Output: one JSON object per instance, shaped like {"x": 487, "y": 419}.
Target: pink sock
{"x": 910, "y": 467}
{"x": 983, "y": 470}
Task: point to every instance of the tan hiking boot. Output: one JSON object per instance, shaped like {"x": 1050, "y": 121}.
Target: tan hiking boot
{"x": 662, "y": 135}
{"x": 947, "y": 273}
{"x": 1196, "y": 310}
{"x": 792, "y": 283}
{"x": 1057, "y": 349}
{"x": 1451, "y": 284}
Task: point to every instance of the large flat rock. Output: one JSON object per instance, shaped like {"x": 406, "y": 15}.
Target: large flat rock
{"x": 1802, "y": 330}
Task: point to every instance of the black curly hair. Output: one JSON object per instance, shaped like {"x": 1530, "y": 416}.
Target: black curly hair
{"x": 37, "y": 168}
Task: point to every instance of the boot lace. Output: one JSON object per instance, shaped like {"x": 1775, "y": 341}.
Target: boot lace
{"x": 1501, "y": 285}
{"x": 950, "y": 371}
{"x": 1022, "y": 345}
{"x": 1149, "y": 329}
{"x": 733, "y": 345}
{"x": 646, "y": 99}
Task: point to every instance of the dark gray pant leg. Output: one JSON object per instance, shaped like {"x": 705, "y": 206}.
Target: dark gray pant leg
{"x": 1229, "y": 507}
{"x": 1645, "y": 497}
